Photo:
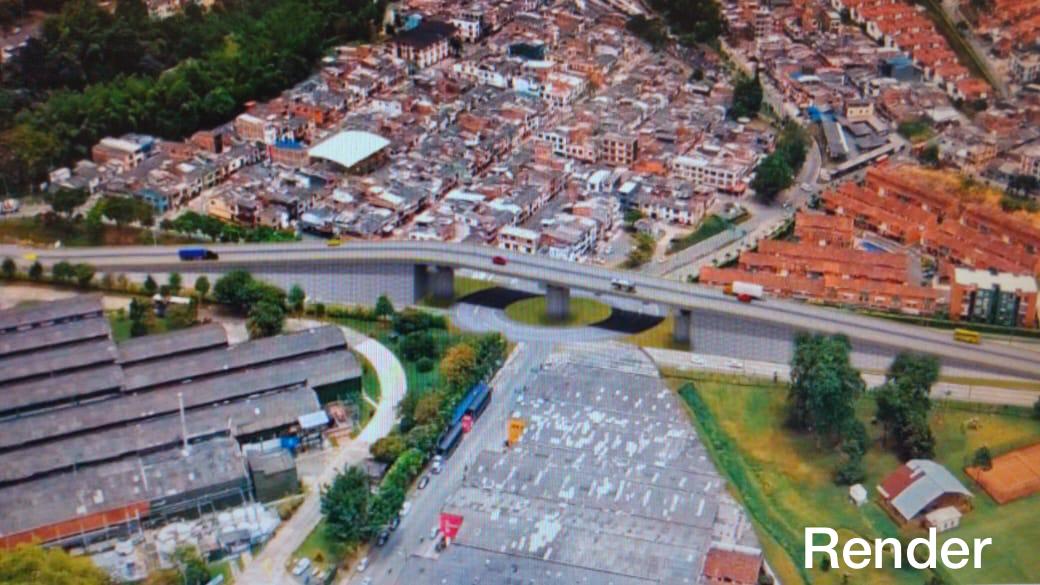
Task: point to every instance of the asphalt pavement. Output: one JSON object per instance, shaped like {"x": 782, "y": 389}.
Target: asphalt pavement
{"x": 413, "y": 535}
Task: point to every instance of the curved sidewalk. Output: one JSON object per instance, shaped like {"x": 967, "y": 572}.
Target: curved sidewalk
{"x": 268, "y": 568}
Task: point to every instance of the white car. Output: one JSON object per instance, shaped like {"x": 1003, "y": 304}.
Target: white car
{"x": 435, "y": 532}
{"x": 362, "y": 565}
{"x": 405, "y": 509}
{"x": 301, "y": 566}
{"x": 734, "y": 364}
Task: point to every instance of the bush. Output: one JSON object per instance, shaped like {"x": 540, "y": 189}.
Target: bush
{"x": 417, "y": 345}
{"x": 424, "y": 364}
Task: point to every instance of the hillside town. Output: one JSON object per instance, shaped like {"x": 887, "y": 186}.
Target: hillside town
{"x": 397, "y": 292}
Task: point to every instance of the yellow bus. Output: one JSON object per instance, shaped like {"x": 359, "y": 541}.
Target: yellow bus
{"x": 966, "y": 336}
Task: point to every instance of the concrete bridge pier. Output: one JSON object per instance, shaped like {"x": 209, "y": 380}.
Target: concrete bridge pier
{"x": 683, "y": 323}
{"x": 420, "y": 282}
{"x": 444, "y": 283}
{"x": 557, "y": 302}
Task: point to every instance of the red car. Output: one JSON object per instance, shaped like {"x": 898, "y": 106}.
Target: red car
{"x": 499, "y": 261}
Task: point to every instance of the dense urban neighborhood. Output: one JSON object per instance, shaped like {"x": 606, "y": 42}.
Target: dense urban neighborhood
{"x": 300, "y": 292}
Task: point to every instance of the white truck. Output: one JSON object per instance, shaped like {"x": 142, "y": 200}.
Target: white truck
{"x": 745, "y": 291}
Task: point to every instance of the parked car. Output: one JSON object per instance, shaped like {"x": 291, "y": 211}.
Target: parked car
{"x": 395, "y": 523}
{"x": 382, "y": 538}
{"x": 407, "y": 507}
{"x": 362, "y": 565}
{"x": 301, "y": 566}
{"x": 424, "y": 481}
{"x": 435, "y": 532}
{"x": 499, "y": 261}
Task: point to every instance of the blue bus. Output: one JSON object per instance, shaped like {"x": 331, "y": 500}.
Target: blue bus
{"x": 191, "y": 254}
{"x": 449, "y": 441}
{"x": 473, "y": 403}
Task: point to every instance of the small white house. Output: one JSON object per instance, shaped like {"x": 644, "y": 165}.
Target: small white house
{"x": 858, "y": 494}
{"x": 943, "y": 519}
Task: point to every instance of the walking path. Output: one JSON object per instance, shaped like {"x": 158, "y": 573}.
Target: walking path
{"x": 268, "y": 567}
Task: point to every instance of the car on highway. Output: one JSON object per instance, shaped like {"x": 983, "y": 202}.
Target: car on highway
{"x": 623, "y": 285}
{"x": 734, "y": 364}
{"x": 499, "y": 261}
{"x": 424, "y": 481}
{"x": 334, "y": 242}
{"x": 362, "y": 565}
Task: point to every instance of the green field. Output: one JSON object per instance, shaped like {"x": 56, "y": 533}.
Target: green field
{"x": 784, "y": 481}
{"x": 77, "y": 233}
{"x": 323, "y": 551}
{"x": 712, "y": 225}
{"x": 583, "y": 311}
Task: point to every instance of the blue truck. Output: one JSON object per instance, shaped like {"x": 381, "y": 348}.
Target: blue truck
{"x": 193, "y": 254}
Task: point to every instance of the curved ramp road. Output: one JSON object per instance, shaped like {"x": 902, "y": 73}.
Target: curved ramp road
{"x": 549, "y": 271}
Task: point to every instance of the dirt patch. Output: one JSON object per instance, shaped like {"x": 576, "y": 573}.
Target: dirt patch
{"x": 1014, "y": 475}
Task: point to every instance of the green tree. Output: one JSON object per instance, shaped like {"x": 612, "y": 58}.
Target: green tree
{"x": 138, "y": 316}
{"x": 150, "y": 286}
{"x": 296, "y": 298}
{"x": 428, "y": 408}
{"x": 903, "y": 403}
{"x": 345, "y": 505}
{"x": 191, "y": 569}
{"x": 10, "y": 269}
{"x": 66, "y": 201}
{"x": 36, "y": 271}
{"x": 33, "y": 565}
{"x": 388, "y": 448}
{"x": 174, "y": 282}
{"x": 126, "y": 210}
{"x": 63, "y": 272}
{"x": 384, "y": 308}
{"x": 929, "y": 156}
{"x": 84, "y": 274}
{"x": 1036, "y": 409}
{"x": 423, "y": 437}
{"x": 417, "y": 345}
{"x": 265, "y": 319}
{"x": 772, "y": 175}
{"x": 747, "y": 97}
{"x": 824, "y": 385}
{"x": 202, "y": 287}
{"x": 982, "y": 458}
{"x": 458, "y": 366}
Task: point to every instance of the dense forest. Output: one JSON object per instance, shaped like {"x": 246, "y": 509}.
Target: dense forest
{"x": 93, "y": 73}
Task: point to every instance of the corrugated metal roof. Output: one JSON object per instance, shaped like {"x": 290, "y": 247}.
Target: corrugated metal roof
{"x": 51, "y": 311}
{"x": 43, "y": 337}
{"x": 168, "y": 344}
{"x": 930, "y": 481}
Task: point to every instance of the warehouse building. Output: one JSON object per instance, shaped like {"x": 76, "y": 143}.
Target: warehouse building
{"x": 96, "y": 436}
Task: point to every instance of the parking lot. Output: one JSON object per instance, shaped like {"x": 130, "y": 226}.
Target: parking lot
{"x": 609, "y": 483}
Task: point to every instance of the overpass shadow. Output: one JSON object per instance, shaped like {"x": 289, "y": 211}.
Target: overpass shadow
{"x": 619, "y": 321}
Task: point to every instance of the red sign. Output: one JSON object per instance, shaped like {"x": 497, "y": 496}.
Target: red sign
{"x": 467, "y": 423}
{"x": 450, "y": 524}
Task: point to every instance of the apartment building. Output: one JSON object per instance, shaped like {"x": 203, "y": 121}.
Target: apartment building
{"x": 997, "y": 298}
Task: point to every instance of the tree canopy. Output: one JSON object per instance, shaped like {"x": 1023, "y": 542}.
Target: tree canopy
{"x": 824, "y": 385}
{"x": 33, "y": 565}
{"x": 93, "y": 73}
{"x": 903, "y": 403}
{"x": 747, "y": 97}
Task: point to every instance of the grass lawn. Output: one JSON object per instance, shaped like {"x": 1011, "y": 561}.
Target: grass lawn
{"x": 221, "y": 568}
{"x": 584, "y": 311}
{"x": 712, "y": 225}
{"x": 659, "y": 335}
{"x": 463, "y": 286}
{"x": 74, "y": 234}
{"x": 321, "y": 550}
{"x": 785, "y": 482}
{"x": 121, "y": 326}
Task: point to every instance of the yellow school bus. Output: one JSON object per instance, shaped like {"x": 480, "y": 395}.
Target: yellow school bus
{"x": 966, "y": 336}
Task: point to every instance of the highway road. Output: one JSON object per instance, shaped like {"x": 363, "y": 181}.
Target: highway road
{"x": 978, "y": 393}
{"x": 1020, "y": 361}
